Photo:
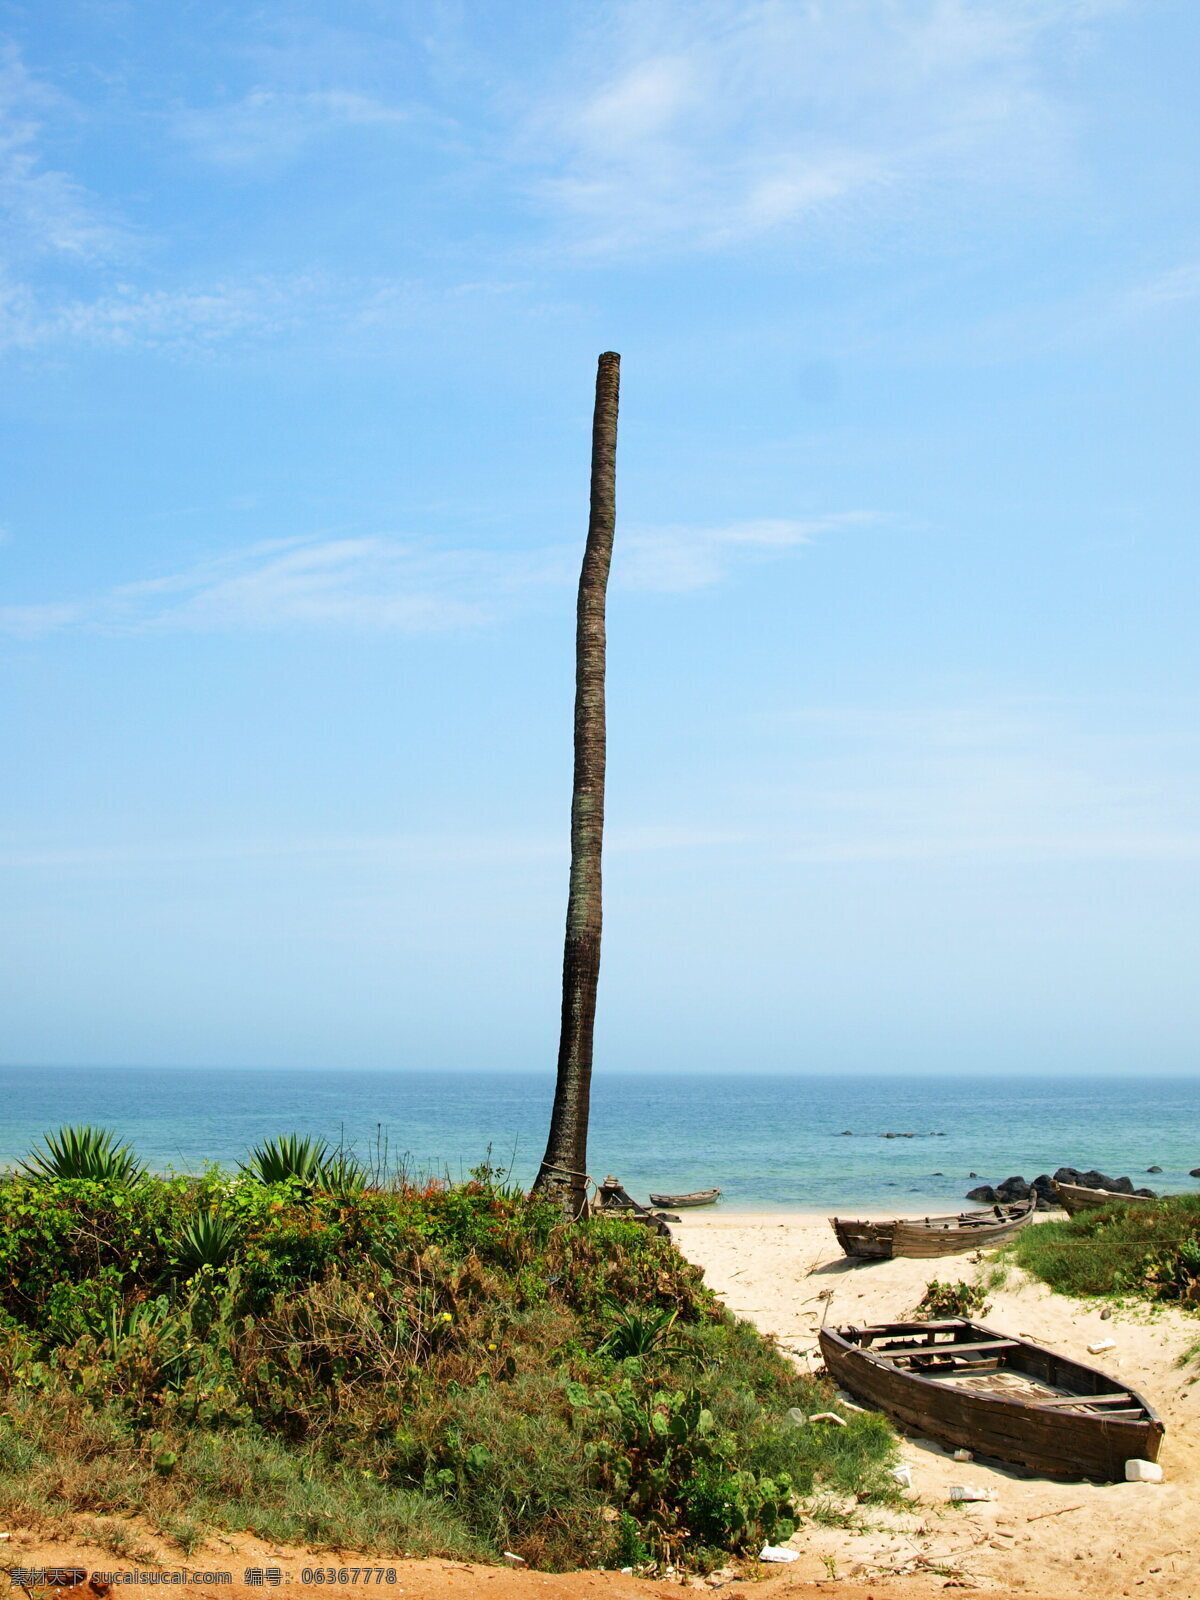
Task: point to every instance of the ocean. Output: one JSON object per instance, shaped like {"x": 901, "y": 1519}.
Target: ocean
{"x": 767, "y": 1142}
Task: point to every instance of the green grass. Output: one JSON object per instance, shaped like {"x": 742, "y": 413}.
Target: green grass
{"x": 1146, "y": 1252}
{"x": 446, "y": 1369}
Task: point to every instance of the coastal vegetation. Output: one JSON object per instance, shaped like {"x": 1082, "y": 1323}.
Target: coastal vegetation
{"x": 431, "y": 1368}
{"x": 1147, "y": 1252}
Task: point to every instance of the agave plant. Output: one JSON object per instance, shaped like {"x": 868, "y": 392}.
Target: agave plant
{"x": 293, "y": 1157}
{"x": 83, "y": 1152}
{"x": 343, "y": 1174}
{"x": 207, "y": 1240}
{"x": 118, "y": 1325}
{"x": 634, "y": 1332}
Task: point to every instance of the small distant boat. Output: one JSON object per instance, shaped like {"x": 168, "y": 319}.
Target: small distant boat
{"x": 932, "y": 1236}
{"x": 671, "y": 1202}
{"x": 968, "y": 1387}
{"x": 1073, "y": 1197}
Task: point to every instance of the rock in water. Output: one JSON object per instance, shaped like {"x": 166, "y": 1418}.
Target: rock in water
{"x": 1012, "y": 1189}
{"x": 985, "y": 1192}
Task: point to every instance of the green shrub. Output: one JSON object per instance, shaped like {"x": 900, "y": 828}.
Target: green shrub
{"x": 947, "y": 1300}
{"x": 437, "y": 1368}
{"x": 1152, "y": 1252}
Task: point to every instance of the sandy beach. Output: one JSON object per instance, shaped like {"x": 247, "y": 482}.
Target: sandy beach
{"x": 782, "y": 1270}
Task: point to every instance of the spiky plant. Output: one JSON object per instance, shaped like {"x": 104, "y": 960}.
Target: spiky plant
{"x": 343, "y": 1174}
{"x": 83, "y": 1152}
{"x": 291, "y": 1158}
{"x": 635, "y": 1332}
{"x": 207, "y": 1240}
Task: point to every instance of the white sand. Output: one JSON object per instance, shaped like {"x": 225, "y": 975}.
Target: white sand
{"x": 1107, "y": 1540}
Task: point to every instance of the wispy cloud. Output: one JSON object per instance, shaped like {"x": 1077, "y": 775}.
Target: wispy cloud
{"x": 680, "y": 557}
{"x": 389, "y": 583}
{"x": 42, "y": 211}
{"x": 202, "y": 319}
{"x": 712, "y": 124}
{"x": 267, "y": 128}
{"x": 362, "y": 583}
{"x": 1028, "y": 780}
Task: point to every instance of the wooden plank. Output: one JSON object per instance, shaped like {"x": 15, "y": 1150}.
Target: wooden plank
{"x": 949, "y": 1348}
{"x": 1087, "y": 1399}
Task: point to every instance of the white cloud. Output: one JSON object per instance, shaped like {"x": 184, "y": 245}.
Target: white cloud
{"x": 42, "y": 211}
{"x": 701, "y": 123}
{"x": 675, "y": 558}
{"x": 408, "y": 585}
{"x": 268, "y": 127}
{"x": 362, "y": 583}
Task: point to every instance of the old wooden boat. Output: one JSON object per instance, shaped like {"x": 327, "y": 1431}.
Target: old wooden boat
{"x": 932, "y": 1236}
{"x": 702, "y": 1197}
{"x": 973, "y": 1389}
{"x": 613, "y": 1199}
{"x": 1073, "y": 1197}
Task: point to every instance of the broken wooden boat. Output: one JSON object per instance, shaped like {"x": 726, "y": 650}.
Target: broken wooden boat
{"x": 932, "y": 1236}
{"x": 702, "y": 1197}
{"x": 973, "y": 1389}
{"x": 613, "y": 1199}
{"x": 1073, "y": 1197}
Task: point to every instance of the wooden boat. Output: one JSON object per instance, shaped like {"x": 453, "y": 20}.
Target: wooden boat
{"x": 702, "y": 1197}
{"x": 970, "y": 1388}
{"x": 612, "y": 1199}
{"x": 932, "y": 1236}
{"x": 1073, "y": 1197}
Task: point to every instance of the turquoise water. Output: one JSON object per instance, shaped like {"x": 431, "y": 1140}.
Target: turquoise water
{"x": 766, "y": 1141}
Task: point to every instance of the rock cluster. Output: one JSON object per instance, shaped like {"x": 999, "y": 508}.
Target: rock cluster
{"x": 1043, "y": 1187}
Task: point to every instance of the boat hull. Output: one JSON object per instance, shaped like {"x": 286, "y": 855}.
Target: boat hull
{"x": 1046, "y": 1438}
{"x": 1073, "y": 1197}
{"x": 671, "y": 1202}
{"x": 928, "y": 1237}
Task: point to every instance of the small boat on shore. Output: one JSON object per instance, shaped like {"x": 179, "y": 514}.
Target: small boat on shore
{"x": 702, "y": 1197}
{"x": 1073, "y": 1197}
{"x": 973, "y": 1389}
{"x": 932, "y": 1236}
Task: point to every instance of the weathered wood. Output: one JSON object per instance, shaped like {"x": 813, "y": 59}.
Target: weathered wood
{"x": 1043, "y": 1434}
{"x": 927, "y": 1237}
{"x": 1090, "y": 1399}
{"x": 702, "y": 1197}
{"x": 1074, "y": 1197}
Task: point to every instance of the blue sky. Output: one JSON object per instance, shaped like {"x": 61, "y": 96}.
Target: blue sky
{"x": 299, "y": 311}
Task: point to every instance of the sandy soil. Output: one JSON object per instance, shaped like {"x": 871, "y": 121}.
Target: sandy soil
{"x": 781, "y": 1271}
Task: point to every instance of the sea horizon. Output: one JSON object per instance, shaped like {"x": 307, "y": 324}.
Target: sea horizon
{"x": 800, "y": 1142}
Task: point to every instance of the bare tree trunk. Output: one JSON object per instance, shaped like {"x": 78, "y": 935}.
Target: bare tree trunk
{"x": 565, "y": 1163}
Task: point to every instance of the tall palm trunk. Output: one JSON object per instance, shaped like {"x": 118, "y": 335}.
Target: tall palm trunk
{"x": 564, "y": 1165}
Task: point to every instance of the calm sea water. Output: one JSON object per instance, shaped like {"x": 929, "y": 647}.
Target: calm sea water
{"x": 766, "y": 1141}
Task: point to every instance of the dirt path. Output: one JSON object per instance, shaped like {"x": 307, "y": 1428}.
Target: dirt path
{"x": 419, "y": 1580}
